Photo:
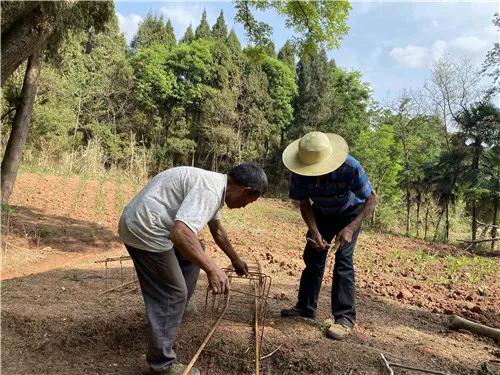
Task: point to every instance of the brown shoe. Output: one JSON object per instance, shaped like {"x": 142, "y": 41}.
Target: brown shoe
{"x": 338, "y": 331}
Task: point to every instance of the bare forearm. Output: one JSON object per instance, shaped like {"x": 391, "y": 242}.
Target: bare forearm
{"x": 308, "y": 215}
{"x": 188, "y": 244}
{"x": 222, "y": 240}
{"x": 366, "y": 210}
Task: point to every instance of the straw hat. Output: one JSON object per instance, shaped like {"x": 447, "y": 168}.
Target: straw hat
{"x": 315, "y": 154}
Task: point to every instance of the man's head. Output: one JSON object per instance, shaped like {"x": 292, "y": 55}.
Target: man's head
{"x": 246, "y": 183}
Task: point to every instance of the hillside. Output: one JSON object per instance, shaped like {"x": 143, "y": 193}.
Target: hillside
{"x": 55, "y": 319}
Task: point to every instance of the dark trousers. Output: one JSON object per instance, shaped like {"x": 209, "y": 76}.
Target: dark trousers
{"x": 167, "y": 282}
{"x": 343, "y": 287}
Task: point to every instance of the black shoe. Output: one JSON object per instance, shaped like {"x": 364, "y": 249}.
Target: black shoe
{"x": 296, "y": 312}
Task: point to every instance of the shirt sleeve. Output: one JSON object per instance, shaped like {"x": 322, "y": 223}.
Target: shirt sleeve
{"x": 297, "y": 190}
{"x": 198, "y": 208}
{"x": 361, "y": 186}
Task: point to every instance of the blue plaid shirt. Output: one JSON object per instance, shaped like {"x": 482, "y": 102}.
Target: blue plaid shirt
{"x": 341, "y": 194}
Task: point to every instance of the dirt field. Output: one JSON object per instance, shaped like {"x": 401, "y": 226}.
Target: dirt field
{"x": 55, "y": 319}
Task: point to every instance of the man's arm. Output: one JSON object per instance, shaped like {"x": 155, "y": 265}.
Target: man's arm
{"x": 222, "y": 240}
{"x": 345, "y": 235}
{"x": 188, "y": 244}
{"x": 308, "y": 215}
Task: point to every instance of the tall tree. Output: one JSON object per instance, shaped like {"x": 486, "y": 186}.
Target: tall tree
{"x": 491, "y": 65}
{"x": 311, "y": 105}
{"x": 480, "y": 124}
{"x": 20, "y": 127}
{"x": 203, "y": 29}
{"x": 287, "y": 55}
{"x": 219, "y": 30}
{"x": 188, "y": 35}
{"x": 26, "y": 34}
{"x": 233, "y": 42}
{"x": 153, "y": 30}
{"x": 28, "y": 26}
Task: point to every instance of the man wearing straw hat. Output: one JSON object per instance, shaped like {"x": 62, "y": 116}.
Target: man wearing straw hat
{"x": 335, "y": 196}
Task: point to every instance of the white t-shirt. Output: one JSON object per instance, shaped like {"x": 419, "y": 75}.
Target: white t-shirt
{"x": 191, "y": 195}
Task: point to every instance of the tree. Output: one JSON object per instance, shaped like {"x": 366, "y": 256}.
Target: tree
{"x": 314, "y": 22}
{"x": 203, "y": 29}
{"x": 379, "y": 153}
{"x": 219, "y": 30}
{"x": 311, "y": 105}
{"x": 454, "y": 86}
{"x": 480, "y": 124}
{"x": 20, "y": 127}
{"x": 27, "y": 26}
{"x": 153, "y": 30}
{"x": 233, "y": 43}
{"x": 287, "y": 55}
{"x": 188, "y": 35}
{"x": 491, "y": 65}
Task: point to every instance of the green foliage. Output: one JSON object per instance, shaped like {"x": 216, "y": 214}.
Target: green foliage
{"x": 219, "y": 30}
{"x": 153, "y": 30}
{"x": 314, "y": 21}
{"x": 287, "y": 56}
{"x": 188, "y": 35}
{"x": 203, "y": 29}
{"x": 233, "y": 43}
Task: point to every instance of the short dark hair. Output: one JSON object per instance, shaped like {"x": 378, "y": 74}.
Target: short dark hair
{"x": 250, "y": 175}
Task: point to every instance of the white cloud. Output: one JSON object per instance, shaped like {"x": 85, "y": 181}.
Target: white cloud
{"x": 410, "y": 56}
{"x": 468, "y": 43}
{"x": 438, "y": 49}
{"x": 419, "y": 56}
{"x": 184, "y": 14}
{"x": 129, "y": 24}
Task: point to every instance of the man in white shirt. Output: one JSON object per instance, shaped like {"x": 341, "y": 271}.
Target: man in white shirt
{"x": 160, "y": 228}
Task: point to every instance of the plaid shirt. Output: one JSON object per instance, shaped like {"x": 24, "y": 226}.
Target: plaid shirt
{"x": 341, "y": 194}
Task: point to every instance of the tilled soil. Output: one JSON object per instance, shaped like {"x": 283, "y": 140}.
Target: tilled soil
{"x": 57, "y": 320}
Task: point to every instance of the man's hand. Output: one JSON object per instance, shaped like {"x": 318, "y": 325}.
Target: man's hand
{"x": 240, "y": 267}
{"x": 343, "y": 237}
{"x": 218, "y": 281}
{"x": 319, "y": 243}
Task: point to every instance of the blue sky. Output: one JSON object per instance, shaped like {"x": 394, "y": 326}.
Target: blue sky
{"x": 392, "y": 44}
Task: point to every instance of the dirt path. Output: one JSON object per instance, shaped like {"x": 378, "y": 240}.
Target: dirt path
{"x": 54, "y": 320}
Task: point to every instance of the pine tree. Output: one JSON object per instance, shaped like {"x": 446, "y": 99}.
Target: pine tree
{"x": 170, "y": 37}
{"x": 203, "y": 29}
{"x": 312, "y": 109}
{"x": 287, "y": 55}
{"x": 153, "y": 30}
{"x": 219, "y": 30}
{"x": 233, "y": 42}
{"x": 188, "y": 35}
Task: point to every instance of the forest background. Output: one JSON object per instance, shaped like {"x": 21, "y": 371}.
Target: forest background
{"x": 82, "y": 101}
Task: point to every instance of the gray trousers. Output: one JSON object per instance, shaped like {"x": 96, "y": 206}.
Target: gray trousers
{"x": 167, "y": 282}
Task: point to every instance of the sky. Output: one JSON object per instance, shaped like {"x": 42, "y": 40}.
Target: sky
{"x": 393, "y": 44}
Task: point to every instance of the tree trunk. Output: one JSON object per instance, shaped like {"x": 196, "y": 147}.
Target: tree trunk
{"x": 494, "y": 229}
{"x": 475, "y": 168}
{"x": 437, "y": 224}
{"x": 24, "y": 38}
{"x": 418, "y": 212}
{"x": 408, "y": 211}
{"x": 447, "y": 228}
{"x": 426, "y": 225}
{"x": 20, "y": 127}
